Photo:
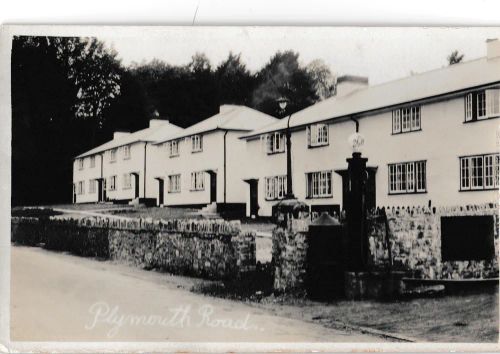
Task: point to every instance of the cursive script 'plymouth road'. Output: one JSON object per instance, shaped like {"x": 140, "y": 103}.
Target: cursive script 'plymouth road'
{"x": 178, "y": 317}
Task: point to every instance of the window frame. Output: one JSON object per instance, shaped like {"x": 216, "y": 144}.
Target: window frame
{"x": 319, "y": 184}
{"x": 197, "y": 183}
{"x": 318, "y": 135}
{"x": 112, "y": 155}
{"x": 112, "y": 181}
{"x": 127, "y": 181}
{"x": 407, "y": 119}
{"x": 171, "y": 151}
{"x": 196, "y": 143}
{"x": 92, "y": 186}
{"x": 126, "y": 152}
{"x": 275, "y": 142}
{"x": 174, "y": 181}
{"x": 480, "y": 105}
{"x": 407, "y": 177}
{"x": 81, "y": 163}
{"x": 92, "y": 161}
{"x": 470, "y": 168}
{"x": 275, "y": 187}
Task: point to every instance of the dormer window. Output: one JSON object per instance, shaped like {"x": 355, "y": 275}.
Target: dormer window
{"x": 483, "y": 104}
{"x": 126, "y": 152}
{"x": 317, "y": 135}
{"x": 274, "y": 142}
{"x": 196, "y": 143}
{"x": 112, "y": 155}
{"x": 406, "y": 119}
{"x": 173, "y": 148}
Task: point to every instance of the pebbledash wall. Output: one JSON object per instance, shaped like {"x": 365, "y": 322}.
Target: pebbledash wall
{"x": 213, "y": 249}
{"x": 415, "y": 242}
{"x": 415, "y": 238}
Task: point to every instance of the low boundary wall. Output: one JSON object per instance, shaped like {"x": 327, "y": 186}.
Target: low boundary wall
{"x": 213, "y": 249}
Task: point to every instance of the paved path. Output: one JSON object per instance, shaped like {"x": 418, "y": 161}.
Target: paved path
{"x": 59, "y": 297}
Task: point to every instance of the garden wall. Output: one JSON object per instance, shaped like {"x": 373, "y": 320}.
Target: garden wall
{"x": 415, "y": 242}
{"x": 289, "y": 255}
{"x": 213, "y": 249}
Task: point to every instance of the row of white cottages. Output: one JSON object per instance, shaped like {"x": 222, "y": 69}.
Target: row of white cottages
{"x": 430, "y": 137}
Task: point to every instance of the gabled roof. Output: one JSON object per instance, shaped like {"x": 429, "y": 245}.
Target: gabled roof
{"x": 154, "y": 133}
{"x": 230, "y": 117}
{"x": 429, "y": 84}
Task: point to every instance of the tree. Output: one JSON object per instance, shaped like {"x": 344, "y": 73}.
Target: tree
{"x": 60, "y": 90}
{"x": 324, "y": 80}
{"x": 235, "y": 83}
{"x": 455, "y": 57}
{"x": 283, "y": 76}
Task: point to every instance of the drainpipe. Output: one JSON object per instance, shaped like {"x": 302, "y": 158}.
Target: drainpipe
{"x": 145, "y": 145}
{"x": 225, "y": 134}
{"x": 357, "y": 123}
{"x": 289, "y": 184}
{"x": 101, "y": 197}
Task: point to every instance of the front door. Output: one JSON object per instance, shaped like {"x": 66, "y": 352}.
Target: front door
{"x": 213, "y": 187}
{"x": 99, "y": 190}
{"x": 136, "y": 185}
{"x": 254, "y": 197}
{"x": 160, "y": 191}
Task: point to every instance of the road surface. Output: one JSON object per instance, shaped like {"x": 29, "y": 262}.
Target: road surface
{"x": 60, "y": 297}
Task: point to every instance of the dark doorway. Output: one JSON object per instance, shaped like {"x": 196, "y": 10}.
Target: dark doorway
{"x": 136, "y": 185}
{"x": 254, "y": 196}
{"x": 160, "y": 191}
{"x": 370, "y": 187}
{"x": 213, "y": 186}
{"x": 99, "y": 190}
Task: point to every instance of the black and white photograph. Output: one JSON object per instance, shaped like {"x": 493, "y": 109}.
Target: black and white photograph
{"x": 260, "y": 188}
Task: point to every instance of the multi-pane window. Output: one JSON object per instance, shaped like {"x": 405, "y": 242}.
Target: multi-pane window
{"x": 126, "y": 152}
{"x": 80, "y": 188}
{"x": 482, "y": 105}
{"x": 479, "y": 172}
{"x": 317, "y": 135}
{"x": 319, "y": 184}
{"x": 80, "y": 163}
{"x": 274, "y": 142}
{"x": 92, "y": 161}
{"x": 127, "y": 181}
{"x": 198, "y": 181}
{"x": 112, "y": 155}
{"x": 196, "y": 143}
{"x": 112, "y": 183}
{"x": 174, "y": 183}
{"x": 275, "y": 187}
{"x": 407, "y": 177}
{"x": 406, "y": 120}
{"x": 92, "y": 186}
{"x": 173, "y": 148}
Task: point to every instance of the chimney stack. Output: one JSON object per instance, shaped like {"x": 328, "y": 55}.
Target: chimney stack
{"x": 492, "y": 48}
{"x": 120, "y": 134}
{"x": 350, "y": 83}
{"x": 157, "y": 122}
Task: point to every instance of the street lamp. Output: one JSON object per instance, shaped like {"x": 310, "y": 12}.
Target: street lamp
{"x": 283, "y": 103}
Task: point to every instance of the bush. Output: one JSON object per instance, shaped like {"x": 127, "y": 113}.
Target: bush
{"x": 34, "y": 212}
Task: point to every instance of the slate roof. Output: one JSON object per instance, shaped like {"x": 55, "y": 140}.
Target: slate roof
{"x": 230, "y": 117}
{"x": 437, "y": 82}
{"x": 151, "y": 134}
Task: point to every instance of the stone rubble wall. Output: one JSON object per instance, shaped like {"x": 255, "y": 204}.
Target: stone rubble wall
{"x": 289, "y": 252}
{"x": 213, "y": 249}
{"x": 415, "y": 239}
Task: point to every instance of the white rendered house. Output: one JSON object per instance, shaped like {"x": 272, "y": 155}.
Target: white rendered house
{"x": 203, "y": 164}
{"x": 117, "y": 170}
{"x": 429, "y": 138}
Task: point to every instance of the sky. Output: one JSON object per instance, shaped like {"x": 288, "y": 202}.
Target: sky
{"x": 381, "y": 54}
